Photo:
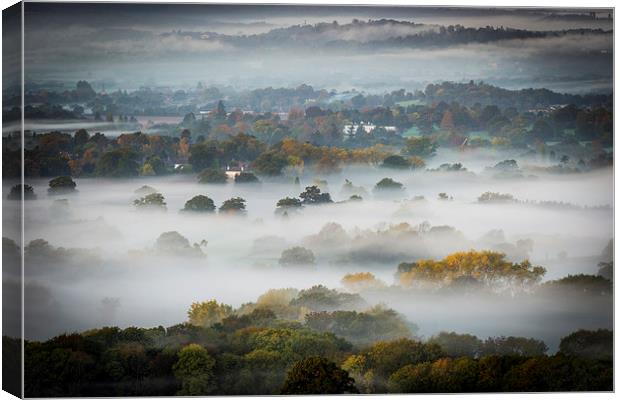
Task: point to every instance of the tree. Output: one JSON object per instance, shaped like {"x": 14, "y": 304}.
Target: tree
{"x": 118, "y": 163}
{"x": 493, "y": 197}
{"x": 288, "y": 204}
{"x": 144, "y": 190}
{"x": 246, "y": 177}
{"x": 457, "y": 345}
{"x": 151, "y": 201}
{"x": 361, "y": 328}
{"x": 297, "y": 256}
{"x": 204, "y": 155}
{"x": 388, "y": 184}
{"x": 372, "y": 367}
{"x": 320, "y": 298}
{"x": 212, "y": 176}
{"x": 396, "y": 161}
{"x": 489, "y": 267}
{"x": 147, "y": 170}
{"x": 542, "y": 130}
{"x": 558, "y": 373}
{"x": 199, "y": 203}
{"x": 444, "y": 375}
{"x": 578, "y": 285}
{"x": 61, "y": 185}
{"x": 220, "y": 111}
{"x": 84, "y": 91}
{"x": 173, "y": 243}
{"x": 317, "y": 375}
{"x": 154, "y": 164}
{"x": 412, "y": 379}
{"x": 81, "y": 137}
{"x": 235, "y": 205}
{"x": 518, "y": 346}
{"x": 195, "y": 369}
{"x": 16, "y": 192}
{"x": 596, "y": 344}
{"x": 270, "y": 163}
{"x": 419, "y": 146}
{"x": 313, "y": 195}
{"x": 208, "y": 313}
{"x": 361, "y": 281}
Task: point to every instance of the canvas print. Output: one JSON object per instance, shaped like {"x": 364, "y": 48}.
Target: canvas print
{"x": 230, "y": 199}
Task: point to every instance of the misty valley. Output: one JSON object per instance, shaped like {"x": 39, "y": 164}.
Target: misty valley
{"x": 459, "y": 252}
{"x": 224, "y": 200}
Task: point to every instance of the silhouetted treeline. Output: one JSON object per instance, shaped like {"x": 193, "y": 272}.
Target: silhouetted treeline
{"x": 259, "y": 354}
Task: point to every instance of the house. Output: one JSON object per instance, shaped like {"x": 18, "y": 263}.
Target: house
{"x": 350, "y": 130}
{"x": 235, "y": 169}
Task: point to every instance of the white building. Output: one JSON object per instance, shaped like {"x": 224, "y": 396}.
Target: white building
{"x": 351, "y": 129}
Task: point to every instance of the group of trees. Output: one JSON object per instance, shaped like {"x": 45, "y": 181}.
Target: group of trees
{"x": 153, "y": 200}
{"x": 314, "y": 138}
{"x": 488, "y": 268}
{"x": 318, "y": 340}
{"x": 61, "y": 185}
{"x": 465, "y": 345}
{"x": 446, "y": 114}
{"x": 314, "y": 341}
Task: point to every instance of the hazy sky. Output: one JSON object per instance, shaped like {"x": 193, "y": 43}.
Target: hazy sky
{"x": 128, "y": 45}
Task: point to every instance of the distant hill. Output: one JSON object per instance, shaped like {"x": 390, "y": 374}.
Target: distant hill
{"x": 383, "y": 33}
{"x": 469, "y": 94}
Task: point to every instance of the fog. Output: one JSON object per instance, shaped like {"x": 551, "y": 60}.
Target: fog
{"x": 105, "y": 268}
{"x": 152, "y": 44}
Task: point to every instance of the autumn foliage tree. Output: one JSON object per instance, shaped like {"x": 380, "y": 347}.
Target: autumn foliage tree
{"x": 361, "y": 281}
{"x": 208, "y": 313}
{"x": 488, "y": 267}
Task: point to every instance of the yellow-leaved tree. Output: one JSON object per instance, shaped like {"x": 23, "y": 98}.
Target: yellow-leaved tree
{"x": 208, "y": 313}
{"x": 486, "y": 267}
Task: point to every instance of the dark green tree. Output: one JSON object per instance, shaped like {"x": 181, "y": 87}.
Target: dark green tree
{"x": 396, "y": 161}
{"x": 313, "y": 195}
{"x": 597, "y": 344}
{"x": 81, "y": 137}
{"x": 118, "y": 163}
{"x": 512, "y": 345}
{"x": 419, "y": 146}
{"x": 317, "y": 375}
{"x": 246, "y": 177}
{"x": 195, "y": 370}
{"x": 212, "y": 176}
{"x": 235, "y": 205}
{"x": 270, "y": 163}
{"x": 151, "y": 201}
{"x": 457, "y": 345}
{"x": 287, "y": 205}
{"x": 16, "y": 192}
{"x": 388, "y": 184}
{"x": 199, "y": 203}
{"x": 204, "y": 155}
{"x": 61, "y": 185}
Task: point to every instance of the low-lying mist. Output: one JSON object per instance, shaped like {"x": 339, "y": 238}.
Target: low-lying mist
{"x": 101, "y": 263}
